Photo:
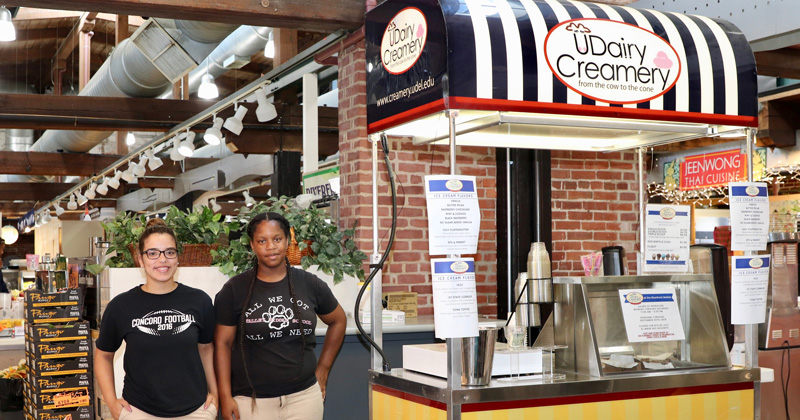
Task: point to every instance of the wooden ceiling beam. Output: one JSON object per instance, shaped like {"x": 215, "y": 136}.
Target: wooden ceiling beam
{"x": 326, "y": 16}
{"x": 779, "y": 63}
{"x": 77, "y": 164}
{"x": 262, "y": 142}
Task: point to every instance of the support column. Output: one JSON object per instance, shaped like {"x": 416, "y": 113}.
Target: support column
{"x": 85, "y": 59}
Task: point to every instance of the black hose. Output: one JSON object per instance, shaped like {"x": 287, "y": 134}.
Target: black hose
{"x": 379, "y": 265}
{"x": 786, "y": 354}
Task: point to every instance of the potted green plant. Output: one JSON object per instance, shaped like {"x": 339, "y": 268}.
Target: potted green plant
{"x": 123, "y": 230}
{"x": 334, "y": 251}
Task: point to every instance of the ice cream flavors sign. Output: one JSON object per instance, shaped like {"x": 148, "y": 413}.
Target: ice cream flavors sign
{"x": 611, "y": 61}
{"x": 403, "y": 40}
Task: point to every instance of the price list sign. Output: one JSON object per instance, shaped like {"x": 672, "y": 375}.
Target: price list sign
{"x": 455, "y": 304}
{"x": 454, "y": 217}
{"x": 749, "y": 282}
{"x": 749, "y": 215}
{"x": 667, "y": 238}
{"x": 651, "y": 315}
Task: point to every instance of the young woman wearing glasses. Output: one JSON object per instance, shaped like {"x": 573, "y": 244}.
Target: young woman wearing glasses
{"x": 168, "y": 329}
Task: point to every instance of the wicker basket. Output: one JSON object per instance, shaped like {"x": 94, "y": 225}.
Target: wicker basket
{"x": 293, "y": 252}
{"x": 193, "y": 255}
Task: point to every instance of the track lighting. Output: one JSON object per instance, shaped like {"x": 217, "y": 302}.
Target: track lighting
{"x": 46, "y": 217}
{"x": 130, "y": 139}
{"x": 269, "y": 49}
{"x": 208, "y": 89}
{"x": 80, "y": 198}
{"x": 213, "y": 135}
{"x": 174, "y": 154}
{"x": 139, "y": 169}
{"x": 114, "y": 182}
{"x": 91, "y": 191}
{"x": 72, "y": 204}
{"x": 7, "y": 31}
{"x": 128, "y": 175}
{"x": 266, "y": 111}
{"x": 248, "y": 201}
{"x": 102, "y": 189}
{"x": 234, "y": 123}
{"x": 186, "y": 148}
{"x": 59, "y": 210}
{"x": 214, "y": 206}
{"x": 153, "y": 162}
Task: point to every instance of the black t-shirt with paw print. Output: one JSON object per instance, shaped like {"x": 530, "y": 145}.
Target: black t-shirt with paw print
{"x": 272, "y": 331}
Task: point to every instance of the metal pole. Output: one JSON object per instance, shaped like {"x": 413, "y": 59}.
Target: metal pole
{"x": 751, "y": 330}
{"x": 642, "y": 210}
{"x": 376, "y": 309}
{"x": 453, "y": 344}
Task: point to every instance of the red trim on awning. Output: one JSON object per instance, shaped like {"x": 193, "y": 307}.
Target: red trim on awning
{"x": 406, "y": 116}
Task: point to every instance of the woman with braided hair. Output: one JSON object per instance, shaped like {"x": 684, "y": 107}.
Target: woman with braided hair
{"x": 264, "y": 340}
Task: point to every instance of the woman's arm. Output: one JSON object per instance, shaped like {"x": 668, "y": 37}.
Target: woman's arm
{"x": 207, "y": 358}
{"x": 337, "y": 322}
{"x": 223, "y": 345}
{"x": 104, "y": 373}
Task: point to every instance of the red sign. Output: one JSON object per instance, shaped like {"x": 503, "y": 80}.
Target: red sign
{"x": 712, "y": 169}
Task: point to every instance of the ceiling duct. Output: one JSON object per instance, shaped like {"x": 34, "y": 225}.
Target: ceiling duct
{"x": 163, "y": 51}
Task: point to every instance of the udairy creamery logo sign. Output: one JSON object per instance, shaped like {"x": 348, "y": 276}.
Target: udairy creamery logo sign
{"x": 403, "y": 40}
{"x": 611, "y": 61}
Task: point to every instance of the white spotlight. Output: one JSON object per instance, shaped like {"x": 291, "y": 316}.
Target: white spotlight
{"x": 248, "y": 201}
{"x": 72, "y": 204}
{"x": 130, "y": 139}
{"x": 266, "y": 111}
{"x": 81, "y": 199}
{"x": 102, "y": 189}
{"x": 139, "y": 169}
{"x": 208, "y": 89}
{"x": 128, "y": 175}
{"x": 59, "y": 210}
{"x": 7, "y": 31}
{"x": 269, "y": 49}
{"x": 213, "y": 135}
{"x": 46, "y": 217}
{"x": 234, "y": 123}
{"x": 174, "y": 154}
{"x": 114, "y": 182}
{"x": 186, "y": 147}
{"x": 214, "y": 206}
{"x": 153, "y": 161}
{"x": 90, "y": 192}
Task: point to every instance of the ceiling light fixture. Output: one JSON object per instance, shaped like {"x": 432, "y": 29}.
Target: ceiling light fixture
{"x": 266, "y": 111}
{"x": 139, "y": 169}
{"x": 59, "y": 210}
{"x": 174, "y": 154}
{"x": 213, "y": 135}
{"x": 10, "y": 234}
{"x": 208, "y": 89}
{"x": 80, "y": 198}
{"x": 46, "y": 217}
{"x": 234, "y": 123}
{"x": 72, "y": 204}
{"x": 91, "y": 191}
{"x": 214, "y": 206}
{"x": 186, "y": 148}
{"x": 114, "y": 182}
{"x": 7, "y": 31}
{"x": 153, "y": 161}
{"x": 269, "y": 49}
{"x": 102, "y": 189}
{"x": 248, "y": 201}
{"x": 128, "y": 175}
{"x": 130, "y": 139}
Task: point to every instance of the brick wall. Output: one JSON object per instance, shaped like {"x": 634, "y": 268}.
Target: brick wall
{"x": 595, "y": 203}
{"x": 408, "y": 267}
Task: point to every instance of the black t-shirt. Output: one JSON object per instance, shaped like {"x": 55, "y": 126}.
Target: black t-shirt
{"x": 272, "y": 334}
{"x": 164, "y": 375}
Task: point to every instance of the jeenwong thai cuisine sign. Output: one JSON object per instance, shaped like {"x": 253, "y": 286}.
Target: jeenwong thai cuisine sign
{"x": 713, "y": 169}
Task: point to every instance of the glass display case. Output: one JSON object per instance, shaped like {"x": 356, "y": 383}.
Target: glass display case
{"x": 638, "y": 324}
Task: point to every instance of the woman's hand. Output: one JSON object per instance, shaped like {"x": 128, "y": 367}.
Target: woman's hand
{"x": 210, "y": 399}
{"x": 322, "y": 378}
{"x": 228, "y": 408}
{"x": 117, "y": 406}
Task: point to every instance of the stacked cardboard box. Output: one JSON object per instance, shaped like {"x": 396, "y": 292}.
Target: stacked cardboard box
{"x": 58, "y": 349}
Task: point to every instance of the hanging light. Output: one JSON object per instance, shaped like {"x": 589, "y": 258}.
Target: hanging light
{"x": 174, "y": 154}
{"x": 91, "y": 191}
{"x": 130, "y": 140}
{"x": 214, "y": 206}
{"x": 153, "y": 161}
{"x": 10, "y": 234}
{"x": 234, "y": 123}
{"x": 7, "y": 31}
{"x": 114, "y": 182}
{"x": 81, "y": 198}
{"x": 208, "y": 89}
{"x": 46, "y": 217}
{"x": 266, "y": 111}
{"x": 248, "y": 201}
{"x": 213, "y": 135}
{"x": 269, "y": 49}
{"x": 59, "y": 210}
{"x": 139, "y": 169}
{"x": 186, "y": 147}
{"x": 102, "y": 189}
{"x": 72, "y": 204}
{"x": 128, "y": 175}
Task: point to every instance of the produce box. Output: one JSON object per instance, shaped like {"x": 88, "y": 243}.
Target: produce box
{"x": 51, "y": 333}
{"x": 53, "y": 315}
{"x": 77, "y": 413}
{"x": 59, "y": 350}
{"x": 39, "y": 299}
{"x": 402, "y": 301}
{"x": 59, "y": 367}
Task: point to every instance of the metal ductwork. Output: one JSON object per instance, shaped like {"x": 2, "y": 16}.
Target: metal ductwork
{"x": 129, "y": 73}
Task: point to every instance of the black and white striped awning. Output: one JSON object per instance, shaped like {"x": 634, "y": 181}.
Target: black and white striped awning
{"x": 555, "y": 57}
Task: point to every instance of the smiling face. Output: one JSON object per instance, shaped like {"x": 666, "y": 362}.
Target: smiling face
{"x": 161, "y": 269}
{"x": 269, "y": 243}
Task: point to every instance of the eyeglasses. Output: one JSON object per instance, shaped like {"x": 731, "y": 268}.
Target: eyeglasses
{"x": 154, "y": 254}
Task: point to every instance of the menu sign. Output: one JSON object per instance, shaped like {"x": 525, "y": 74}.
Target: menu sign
{"x": 651, "y": 315}
{"x": 455, "y": 304}
{"x": 454, "y": 216}
{"x": 749, "y": 206}
{"x": 666, "y": 238}
{"x": 749, "y": 281}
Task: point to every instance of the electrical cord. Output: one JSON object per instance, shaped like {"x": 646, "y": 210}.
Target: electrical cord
{"x": 379, "y": 265}
{"x": 785, "y": 386}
